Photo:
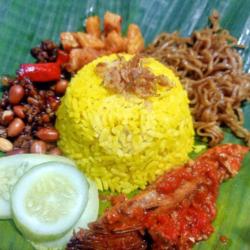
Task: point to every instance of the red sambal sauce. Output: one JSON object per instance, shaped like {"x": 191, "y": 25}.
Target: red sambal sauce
{"x": 191, "y": 220}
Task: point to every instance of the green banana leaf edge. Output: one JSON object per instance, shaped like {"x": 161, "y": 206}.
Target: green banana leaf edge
{"x": 25, "y": 23}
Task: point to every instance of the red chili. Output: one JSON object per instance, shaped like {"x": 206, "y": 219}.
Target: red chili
{"x": 62, "y": 57}
{"x": 40, "y": 72}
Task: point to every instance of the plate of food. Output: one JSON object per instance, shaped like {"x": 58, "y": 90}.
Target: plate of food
{"x": 124, "y": 125}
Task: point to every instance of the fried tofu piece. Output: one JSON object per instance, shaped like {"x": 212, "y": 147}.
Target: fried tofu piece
{"x": 79, "y": 57}
{"x": 135, "y": 39}
{"x": 88, "y": 40}
{"x": 93, "y": 26}
{"x": 112, "y": 22}
{"x": 115, "y": 42}
{"x": 85, "y": 47}
{"x": 68, "y": 41}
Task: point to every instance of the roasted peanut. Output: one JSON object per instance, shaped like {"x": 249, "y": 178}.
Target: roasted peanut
{"x": 15, "y": 128}
{"x": 5, "y": 145}
{"x": 61, "y": 86}
{"x": 55, "y": 151}
{"x": 53, "y": 102}
{"x": 19, "y": 111}
{"x": 16, "y": 94}
{"x": 38, "y": 147}
{"x": 7, "y": 117}
{"x": 48, "y": 134}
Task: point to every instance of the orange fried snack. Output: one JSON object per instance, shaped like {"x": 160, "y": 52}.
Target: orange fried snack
{"x": 83, "y": 47}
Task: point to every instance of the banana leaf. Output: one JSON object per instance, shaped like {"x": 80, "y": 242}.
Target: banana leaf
{"x": 23, "y": 24}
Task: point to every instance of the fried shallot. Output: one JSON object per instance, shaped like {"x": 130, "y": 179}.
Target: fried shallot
{"x": 131, "y": 76}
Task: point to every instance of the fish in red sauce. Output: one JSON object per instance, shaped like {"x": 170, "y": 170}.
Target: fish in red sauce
{"x": 174, "y": 212}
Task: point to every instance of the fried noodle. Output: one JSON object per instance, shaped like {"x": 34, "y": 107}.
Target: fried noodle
{"x": 211, "y": 71}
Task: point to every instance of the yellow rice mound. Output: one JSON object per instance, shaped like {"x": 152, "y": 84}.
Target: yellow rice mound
{"x": 124, "y": 142}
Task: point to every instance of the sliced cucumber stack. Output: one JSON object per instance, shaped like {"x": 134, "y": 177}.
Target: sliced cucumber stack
{"x": 12, "y": 168}
{"x": 49, "y": 200}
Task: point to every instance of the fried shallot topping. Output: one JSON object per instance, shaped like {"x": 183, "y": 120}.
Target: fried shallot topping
{"x": 131, "y": 76}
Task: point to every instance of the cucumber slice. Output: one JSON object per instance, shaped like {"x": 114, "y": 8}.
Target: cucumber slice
{"x": 48, "y": 200}
{"x": 89, "y": 215}
{"x": 12, "y": 168}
